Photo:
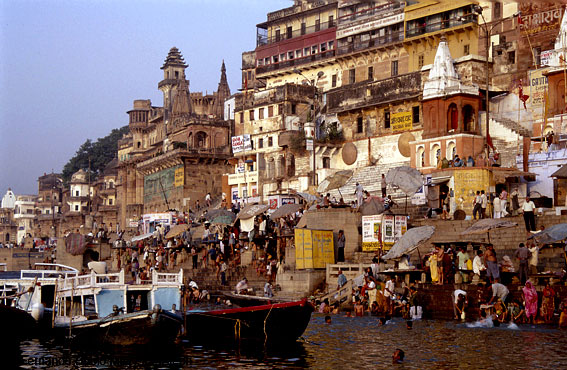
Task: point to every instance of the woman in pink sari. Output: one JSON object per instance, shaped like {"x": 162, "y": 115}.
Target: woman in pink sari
{"x": 530, "y": 299}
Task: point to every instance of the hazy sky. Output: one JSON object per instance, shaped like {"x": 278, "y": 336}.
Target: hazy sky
{"x": 69, "y": 70}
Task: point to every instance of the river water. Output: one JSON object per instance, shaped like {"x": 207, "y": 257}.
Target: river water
{"x": 346, "y": 343}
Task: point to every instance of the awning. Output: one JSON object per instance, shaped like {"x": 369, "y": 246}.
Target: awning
{"x": 502, "y": 175}
{"x": 560, "y": 173}
{"x": 141, "y": 237}
{"x": 440, "y": 180}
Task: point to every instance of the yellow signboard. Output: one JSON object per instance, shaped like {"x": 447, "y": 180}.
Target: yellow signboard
{"x": 467, "y": 183}
{"x": 313, "y": 248}
{"x": 179, "y": 177}
{"x": 537, "y": 87}
{"x": 401, "y": 121}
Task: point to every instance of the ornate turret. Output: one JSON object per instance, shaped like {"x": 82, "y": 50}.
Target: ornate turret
{"x": 223, "y": 93}
{"x": 175, "y": 86}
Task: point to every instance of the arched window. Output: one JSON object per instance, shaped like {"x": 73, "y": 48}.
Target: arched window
{"x": 201, "y": 139}
{"x": 435, "y": 155}
{"x": 468, "y": 118}
{"x": 451, "y": 150}
{"x": 420, "y": 160}
{"x": 452, "y": 117}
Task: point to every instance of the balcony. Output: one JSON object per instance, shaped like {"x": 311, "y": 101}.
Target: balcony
{"x": 370, "y": 12}
{"x": 365, "y": 94}
{"x": 263, "y": 39}
{"x": 176, "y": 157}
{"x": 377, "y": 42}
{"x": 421, "y": 26}
{"x": 243, "y": 178}
{"x": 108, "y": 208}
{"x": 295, "y": 62}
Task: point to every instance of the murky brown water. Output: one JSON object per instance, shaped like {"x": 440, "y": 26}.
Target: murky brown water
{"x": 348, "y": 343}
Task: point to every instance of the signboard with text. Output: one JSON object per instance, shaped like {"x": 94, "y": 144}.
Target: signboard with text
{"x": 241, "y": 143}
{"x": 401, "y": 121}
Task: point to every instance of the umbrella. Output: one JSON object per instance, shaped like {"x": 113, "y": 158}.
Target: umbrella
{"x": 372, "y": 206}
{"x": 252, "y": 210}
{"x": 285, "y": 210}
{"x": 487, "y": 224}
{"x": 551, "y": 235}
{"x": 141, "y": 237}
{"x": 309, "y": 197}
{"x": 406, "y": 178}
{"x": 220, "y": 216}
{"x": 335, "y": 181}
{"x": 410, "y": 241}
{"x": 177, "y": 230}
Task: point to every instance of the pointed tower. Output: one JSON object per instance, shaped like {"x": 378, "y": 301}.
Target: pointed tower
{"x": 223, "y": 93}
{"x": 174, "y": 85}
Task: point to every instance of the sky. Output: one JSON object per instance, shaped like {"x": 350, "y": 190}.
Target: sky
{"x": 70, "y": 69}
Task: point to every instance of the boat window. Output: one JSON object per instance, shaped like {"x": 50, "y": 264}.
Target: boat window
{"x": 90, "y": 307}
{"x": 137, "y": 301}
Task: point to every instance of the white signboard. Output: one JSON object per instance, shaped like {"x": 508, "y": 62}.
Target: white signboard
{"x": 546, "y": 57}
{"x": 309, "y": 144}
{"x": 353, "y": 30}
{"x": 241, "y": 143}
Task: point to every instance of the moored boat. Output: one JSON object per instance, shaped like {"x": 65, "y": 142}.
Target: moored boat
{"x": 103, "y": 309}
{"x": 273, "y": 323}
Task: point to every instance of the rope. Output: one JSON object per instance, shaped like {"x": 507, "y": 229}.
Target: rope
{"x": 237, "y": 330}
{"x": 265, "y": 320}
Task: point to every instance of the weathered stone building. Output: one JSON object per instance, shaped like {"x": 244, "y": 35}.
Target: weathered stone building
{"x": 49, "y": 205}
{"x": 176, "y": 153}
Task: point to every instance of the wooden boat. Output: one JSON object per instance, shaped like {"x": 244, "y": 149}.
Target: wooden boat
{"x": 17, "y": 324}
{"x": 274, "y": 323}
{"x": 247, "y": 300}
{"x": 103, "y": 309}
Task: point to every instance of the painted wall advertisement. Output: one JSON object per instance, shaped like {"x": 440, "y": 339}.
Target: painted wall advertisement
{"x": 241, "y": 143}
{"x": 382, "y": 231}
{"x": 538, "y": 86}
{"x": 314, "y": 248}
{"x": 401, "y": 121}
{"x": 158, "y": 186}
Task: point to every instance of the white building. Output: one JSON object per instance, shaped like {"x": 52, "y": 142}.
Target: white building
{"x": 9, "y": 199}
{"x": 79, "y": 193}
{"x": 24, "y": 215}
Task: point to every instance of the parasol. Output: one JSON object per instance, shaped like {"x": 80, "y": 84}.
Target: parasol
{"x": 285, "y": 210}
{"x": 487, "y": 224}
{"x": 177, "y": 230}
{"x": 372, "y": 206}
{"x": 406, "y": 178}
{"x": 309, "y": 197}
{"x": 141, "y": 237}
{"x": 410, "y": 241}
{"x": 220, "y": 216}
{"x": 335, "y": 181}
{"x": 252, "y": 210}
{"x": 553, "y": 234}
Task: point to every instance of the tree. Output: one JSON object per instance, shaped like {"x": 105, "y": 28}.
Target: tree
{"x": 100, "y": 153}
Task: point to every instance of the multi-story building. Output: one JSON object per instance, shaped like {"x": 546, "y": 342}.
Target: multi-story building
{"x": 104, "y": 199}
{"x": 24, "y": 216}
{"x": 49, "y": 204}
{"x": 174, "y": 154}
{"x": 8, "y": 228}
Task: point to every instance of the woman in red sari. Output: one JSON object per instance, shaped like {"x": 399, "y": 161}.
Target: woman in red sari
{"x": 530, "y": 299}
{"x": 548, "y": 303}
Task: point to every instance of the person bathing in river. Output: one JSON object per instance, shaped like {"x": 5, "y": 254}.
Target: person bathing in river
{"x": 491, "y": 263}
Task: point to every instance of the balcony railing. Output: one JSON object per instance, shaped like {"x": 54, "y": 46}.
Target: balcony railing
{"x": 415, "y": 29}
{"x": 374, "y": 42}
{"x": 295, "y": 62}
{"x": 284, "y": 35}
{"x": 377, "y": 10}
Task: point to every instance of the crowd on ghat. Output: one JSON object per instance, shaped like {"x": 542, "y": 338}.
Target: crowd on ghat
{"x": 384, "y": 295}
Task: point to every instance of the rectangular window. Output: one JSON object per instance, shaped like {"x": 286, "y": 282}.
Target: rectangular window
{"x": 314, "y": 49}
{"x": 275, "y": 59}
{"x": 415, "y": 114}
{"x": 537, "y": 55}
{"x": 271, "y": 111}
{"x": 387, "y": 118}
{"x": 317, "y": 25}
{"x": 298, "y": 53}
{"x": 303, "y": 28}
{"x": 280, "y": 108}
{"x": 371, "y": 73}
{"x": 326, "y": 162}
{"x": 270, "y": 141}
{"x": 261, "y": 113}
{"x": 351, "y": 76}
{"x": 251, "y": 115}
{"x": 306, "y": 52}
{"x": 466, "y": 49}
{"x": 497, "y": 10}
{"x": 359, "y": 126}
{"x": 331, "y": 20}
{"x": 241, "y": 115}
{"x": 334, "y": 80}
{"x": 289, "y": 32}
{"x": 394, "y": 68}
{"x": 282, "y": 57}
{"x": 331, "y": 45}
{"x": 76, "y": 193}
{"x": 267, "y": 60}
{"x": 290, "y": 55}
{"x": 420, "y": 61}
{"x": 512, "y": 57}
{"x": 277, "y": 35}
{"x": 323, "y": 47}
{"x": 260, "y": 143}
{"x": 110, "y": 202}
{"x": 76, "y": 207}
{"x": 293, "y": 109}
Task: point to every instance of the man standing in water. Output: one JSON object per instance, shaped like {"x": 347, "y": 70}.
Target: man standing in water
{"x": 491, "y": 263}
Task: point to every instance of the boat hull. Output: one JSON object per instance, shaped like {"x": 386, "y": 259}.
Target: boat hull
{"x": 274, "y": 323}
{"x": 138, "y": 328}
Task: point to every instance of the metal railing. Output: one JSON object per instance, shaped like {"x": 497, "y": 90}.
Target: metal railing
{"x": 117, "y": 278}
{"x": 284, "y": 35}
{"x": 424, "y": 28}
{"x": 295, "y": 62}
{"x": 373, "y": 42}
{"x": 48, "y": 271}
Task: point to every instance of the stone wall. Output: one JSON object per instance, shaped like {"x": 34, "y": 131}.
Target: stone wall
{"x": 21, "y": 258}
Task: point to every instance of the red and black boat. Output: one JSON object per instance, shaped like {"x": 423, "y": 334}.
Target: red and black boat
{"x": 273, "y": 323}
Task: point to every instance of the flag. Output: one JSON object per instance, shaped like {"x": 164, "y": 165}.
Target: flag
{"x": 523, "y": 97}
{"x": 489, "y": 141}
{"x": 520, "y": 21}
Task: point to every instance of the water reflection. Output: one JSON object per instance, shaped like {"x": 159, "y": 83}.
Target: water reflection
{"x": 347, "y": 343}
